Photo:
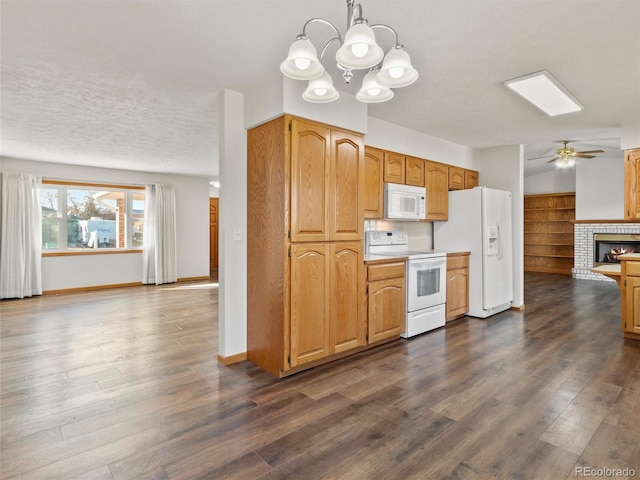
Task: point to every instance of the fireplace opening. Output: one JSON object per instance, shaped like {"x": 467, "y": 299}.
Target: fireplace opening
{"x": 608, "y": 246}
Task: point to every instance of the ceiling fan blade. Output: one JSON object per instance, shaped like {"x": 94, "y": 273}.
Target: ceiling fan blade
{"x": 578, "y": 155}
{"x": 537, "y": 158}
{"x": 591, "y": 151}
{"x": 553, "y": 159}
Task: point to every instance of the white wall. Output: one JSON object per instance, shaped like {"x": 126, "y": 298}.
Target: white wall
{"x": 192, "y": 205}
{"x": 598, "y": 183}
{"x": 630, "y": 133}
{"x": 557, "y": 180}
{"x": 502, "y": 168}
{"x": 232, "y": 271}
{"x": 600, "y": 189}
{"x": 388, "y": 136}
{"x": 285, "y": 96}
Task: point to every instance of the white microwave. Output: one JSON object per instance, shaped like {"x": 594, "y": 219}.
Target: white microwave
{"x": 404, "y": 202}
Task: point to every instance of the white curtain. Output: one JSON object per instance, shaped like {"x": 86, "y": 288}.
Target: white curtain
{"x": 159, "y": 251}
{"x": 21, "y": 236}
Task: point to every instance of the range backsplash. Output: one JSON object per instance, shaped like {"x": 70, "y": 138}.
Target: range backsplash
{"x": 420, "y": 233}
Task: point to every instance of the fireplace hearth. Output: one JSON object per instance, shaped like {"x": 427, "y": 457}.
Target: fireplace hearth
{"x": 607, "y": 247}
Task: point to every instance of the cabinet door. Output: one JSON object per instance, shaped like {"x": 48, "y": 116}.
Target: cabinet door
{"x": 373, "y": 199}
{"x": 457, "y": 293}
{"x": 347, "y": 315}
{"x": 632, "y": 184}
{"x": 470, "y": 179}
{"x": 310, "y": 155}
{"x": 437, "y": 183}
{"x": 309, "y": 303}
{"x": 632, "y": 305}
{"x": 346, "y": 184}
{"x": 414, "y": 171}
{"x": 456, "y": 178}
{"x": 394, "y": 167}
{"x": 386, "y": 309}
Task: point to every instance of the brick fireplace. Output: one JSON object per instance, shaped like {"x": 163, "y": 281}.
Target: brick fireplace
{"x": 586, "y": 246}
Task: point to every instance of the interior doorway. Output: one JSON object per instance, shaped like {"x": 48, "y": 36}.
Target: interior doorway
{"x": 213, "y": 233}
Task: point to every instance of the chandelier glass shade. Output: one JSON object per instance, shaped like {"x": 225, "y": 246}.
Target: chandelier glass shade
{"x": 321, "y": 90}
{"x": 372, "y": 91}
{"x": 358, "y": 51}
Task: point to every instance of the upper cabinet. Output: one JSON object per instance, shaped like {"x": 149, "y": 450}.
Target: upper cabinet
{"x": 394, "y": 165}
{"x": 462, "y": 178}
{"x": 456, "y": 178}
{"x": 326, "y": 183}
{"x": 414, "y": 171}
{"x": 403, "y": 169}
{"x": 373, "y": 184}
{"x": 632, "y": 184}
{"x": 437, "y": 183}
{"x": 470, "y": 179}
{"x": 382, "y": 166}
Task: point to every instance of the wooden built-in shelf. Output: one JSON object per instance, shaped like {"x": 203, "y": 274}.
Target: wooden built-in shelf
{"x": 548, "y": 234}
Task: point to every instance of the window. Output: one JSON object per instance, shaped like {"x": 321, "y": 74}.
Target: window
{"x": 83, "y": 217}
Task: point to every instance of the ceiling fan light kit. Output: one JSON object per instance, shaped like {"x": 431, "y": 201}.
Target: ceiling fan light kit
{"x": 545, "y": 92}
{"x": 358, "y": 51}
{"x": 567, "y": 155}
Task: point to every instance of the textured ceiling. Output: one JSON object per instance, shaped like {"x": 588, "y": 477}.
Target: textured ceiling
{"x": 133, "y": 84}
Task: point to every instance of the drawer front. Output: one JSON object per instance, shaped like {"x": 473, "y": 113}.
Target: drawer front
{"x": 633, "y": 268}
{"x": 385, "y": 270}
{"x": 458, "y": 261}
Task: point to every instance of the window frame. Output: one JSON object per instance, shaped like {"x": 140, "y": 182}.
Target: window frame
{"x": 63, "y": 242}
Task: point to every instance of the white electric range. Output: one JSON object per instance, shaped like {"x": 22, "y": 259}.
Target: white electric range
{"x": 426, "y": 279}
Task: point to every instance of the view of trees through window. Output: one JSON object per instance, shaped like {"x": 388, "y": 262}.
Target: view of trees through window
{"x": 90, "y": 218}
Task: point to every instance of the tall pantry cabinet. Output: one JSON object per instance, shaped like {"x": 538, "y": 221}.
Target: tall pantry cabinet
{"x": 305, "y": 280}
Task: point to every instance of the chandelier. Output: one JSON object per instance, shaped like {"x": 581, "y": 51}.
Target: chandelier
{"x": 357, "y": 51}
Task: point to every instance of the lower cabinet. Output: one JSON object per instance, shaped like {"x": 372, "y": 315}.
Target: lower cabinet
{"x": 386, "y": 299}
{"x": 327, "y": 302}
{"x": 630, "y": 290}
{"x": 457, "y": 285}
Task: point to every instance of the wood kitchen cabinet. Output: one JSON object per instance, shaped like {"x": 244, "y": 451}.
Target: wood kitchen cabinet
{"x": 414, "y": 171}
{"x": 456, "y": 178}
{"x": 403, "y": 169}
{"x": 437, "y": 183}
{"x": 327, "y": 305}
{"x": 471, "y": 179}
{"x": 373, "y": 195}
{"x": 305, "y": 280}
{"x": 386, "y": 299}
{"x": 457, "y": 285}
{"x": 462, "y": 178}
{"x": 394, "y": 167}
{"x": 632, "y": 184}
{"x": 327, "y": 181}
{"x": 630, "y": 290}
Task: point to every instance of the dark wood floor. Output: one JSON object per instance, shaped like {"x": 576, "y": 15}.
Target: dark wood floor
{"x": 124, "y": 384}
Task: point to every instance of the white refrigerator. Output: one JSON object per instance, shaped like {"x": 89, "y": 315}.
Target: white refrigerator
{"x": 480, "y": 222}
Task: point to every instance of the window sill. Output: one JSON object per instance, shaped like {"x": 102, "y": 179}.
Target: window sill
{"x": 72, "y": 253}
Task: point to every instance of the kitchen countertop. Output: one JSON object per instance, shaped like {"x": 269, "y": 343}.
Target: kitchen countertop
{"x": 612, "y": 270}
{"x": 629, "y": 256}
{"x": 371, "y": 258}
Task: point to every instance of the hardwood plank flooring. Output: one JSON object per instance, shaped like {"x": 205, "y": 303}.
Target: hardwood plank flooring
{"x": 124, "y": 384}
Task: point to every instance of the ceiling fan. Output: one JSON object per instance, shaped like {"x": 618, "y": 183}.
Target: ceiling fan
{"x": 567, "y": 155}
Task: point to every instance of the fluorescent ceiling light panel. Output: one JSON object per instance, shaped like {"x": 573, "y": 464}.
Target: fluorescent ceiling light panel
{"x": 545, "y": 92}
